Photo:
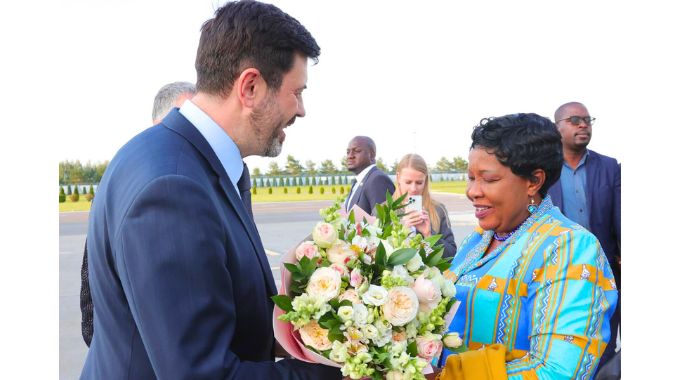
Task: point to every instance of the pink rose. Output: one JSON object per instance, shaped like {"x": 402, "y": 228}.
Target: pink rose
{"x": 429, "y": 346}
{"x": 340, "y": 269}
{"x": 306, "y": 249}
{"x": 355, "y": 278}
{"x": 428, "y": 291}
{"x": 350, "y": 294}
{"x": 324, "y": 234}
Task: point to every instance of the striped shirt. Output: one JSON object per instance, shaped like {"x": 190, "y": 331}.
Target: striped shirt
{"x": 547, "y": 294}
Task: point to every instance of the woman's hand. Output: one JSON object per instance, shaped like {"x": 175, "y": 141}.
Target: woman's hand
{"x": 419, "y": 220}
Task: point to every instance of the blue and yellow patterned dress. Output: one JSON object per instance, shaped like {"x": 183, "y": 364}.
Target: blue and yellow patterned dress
{"x": 546, "y": 293}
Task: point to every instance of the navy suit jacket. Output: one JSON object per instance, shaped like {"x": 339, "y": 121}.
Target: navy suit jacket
{"x": 372, "y": 190}
{"x": 603, "y": 197}
{"x": 178, "y": 273}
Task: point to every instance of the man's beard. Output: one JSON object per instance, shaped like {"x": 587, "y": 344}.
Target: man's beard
{"x": 268, "y": 119}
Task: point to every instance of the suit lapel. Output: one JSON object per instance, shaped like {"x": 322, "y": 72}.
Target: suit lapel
{"x": 178, "y": 123}
{"x": 592, "y": 166}
{"x": 360, "y": 188}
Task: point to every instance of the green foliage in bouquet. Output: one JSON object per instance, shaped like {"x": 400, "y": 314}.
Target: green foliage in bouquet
{"x": 345, "y": 284}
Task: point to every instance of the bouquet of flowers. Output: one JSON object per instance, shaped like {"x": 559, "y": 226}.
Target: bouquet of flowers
{"x": 367, "y": 295}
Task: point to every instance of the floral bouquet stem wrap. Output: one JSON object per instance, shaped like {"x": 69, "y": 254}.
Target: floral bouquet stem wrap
{"x": 366, "y": 295}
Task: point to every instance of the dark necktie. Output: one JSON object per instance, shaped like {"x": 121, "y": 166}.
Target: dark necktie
{"x": 244, "y": 188}
{"x": 349, "y": 196}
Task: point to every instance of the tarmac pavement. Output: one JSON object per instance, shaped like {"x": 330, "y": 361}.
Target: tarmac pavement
{"x": 281, "y": 226}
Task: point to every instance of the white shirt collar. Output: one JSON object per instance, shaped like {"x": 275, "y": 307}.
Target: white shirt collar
{"x": 224, "y": 147}
{"x": 362, "y": 175}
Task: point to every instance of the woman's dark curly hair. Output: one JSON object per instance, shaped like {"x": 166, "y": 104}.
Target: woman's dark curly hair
{"x": 523, "y": 142}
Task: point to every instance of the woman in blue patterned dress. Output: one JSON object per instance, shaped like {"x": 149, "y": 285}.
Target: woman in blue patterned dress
{"x": 536, "y": 290}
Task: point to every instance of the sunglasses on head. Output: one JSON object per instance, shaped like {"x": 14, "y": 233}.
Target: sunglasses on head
{"x": 576, "y": 120}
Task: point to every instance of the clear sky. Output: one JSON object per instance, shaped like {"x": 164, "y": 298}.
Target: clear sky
{"x": 415, "y": 76}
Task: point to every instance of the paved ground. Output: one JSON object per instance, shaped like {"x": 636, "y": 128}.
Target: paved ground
{"x": 281, "y": 225}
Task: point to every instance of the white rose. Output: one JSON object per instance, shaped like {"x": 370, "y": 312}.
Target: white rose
{"x": 324, "y": 283}
{"x": 324, "y": 234}
{"x": 370, "y": 331}
{"x": 345, "y": 313}
{"x": 383, "y": 339}
{"x": 315, "y": 336}
{"x": 427, "y": 291}
{"x": 340, "y": 253}
{"x": 360, "y": 314}
{"x": 308, "y": 249}
{"x": 401, "y": 306}
{"x": 400, "y": 272}
{"x": 449, "y": 289}
{"x": 375, "y": 295}
{"x": 338, "y": 352}
{"x": 415, "y": 263}
{"x": 452, "y": 340}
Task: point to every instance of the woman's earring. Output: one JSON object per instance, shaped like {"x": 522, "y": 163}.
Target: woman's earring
{"x": 532, "y": 207}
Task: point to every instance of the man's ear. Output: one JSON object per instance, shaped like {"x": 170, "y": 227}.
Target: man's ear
{"x": 248, "y": 86}
{"x": 536, "y": 182}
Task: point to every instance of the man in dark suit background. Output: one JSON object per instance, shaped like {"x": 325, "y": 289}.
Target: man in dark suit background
{"x": 589, "y": 193}
{"x": 177, "y": 270}
{"x": 371, "y": 183}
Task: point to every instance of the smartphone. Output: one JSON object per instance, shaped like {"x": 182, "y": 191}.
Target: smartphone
{"x": 414, "y": 203}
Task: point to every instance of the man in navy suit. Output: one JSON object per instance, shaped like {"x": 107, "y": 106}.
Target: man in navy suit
{"x": 168, "y": 97}
{"x": 177, "y": 270}
{"x": 371, "y": 183}
{"x": 589, "y": 193}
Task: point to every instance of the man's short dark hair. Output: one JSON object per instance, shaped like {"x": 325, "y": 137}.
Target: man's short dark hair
{"x": 523, "y": 142}
{"x": 249, "y": 34}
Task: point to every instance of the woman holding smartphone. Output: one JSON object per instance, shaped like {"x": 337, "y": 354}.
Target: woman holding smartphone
{"x": 426, "y": 215}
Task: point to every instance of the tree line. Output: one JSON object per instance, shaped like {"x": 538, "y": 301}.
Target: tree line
{"x": 293, "y": 167}
{"x": 74, "y": 172}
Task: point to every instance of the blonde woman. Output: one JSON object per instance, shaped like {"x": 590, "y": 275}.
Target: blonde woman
{"x": 413, "y": 178}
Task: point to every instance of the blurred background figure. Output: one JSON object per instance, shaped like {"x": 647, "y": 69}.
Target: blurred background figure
{"x": 413, "y": 178}
{"x": 170, "y": 96}
{"x": 371, "y": 184}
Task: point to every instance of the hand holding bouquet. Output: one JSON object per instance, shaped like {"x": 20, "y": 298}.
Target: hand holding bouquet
{"x": 366, "y": 295}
